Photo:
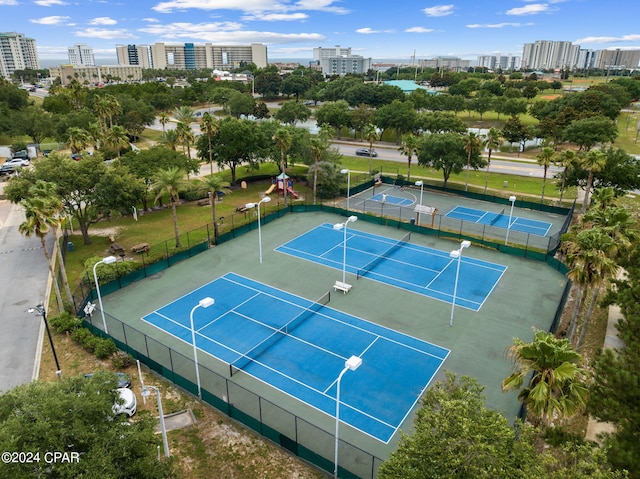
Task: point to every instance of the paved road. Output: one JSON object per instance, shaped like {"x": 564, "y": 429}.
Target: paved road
{"x": 24, "y": 275}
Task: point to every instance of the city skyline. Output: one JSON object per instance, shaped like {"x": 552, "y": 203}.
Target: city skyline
{"x": 291, "y": 29}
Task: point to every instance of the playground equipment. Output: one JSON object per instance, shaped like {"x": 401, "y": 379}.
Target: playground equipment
{"x": 279, "y": 182}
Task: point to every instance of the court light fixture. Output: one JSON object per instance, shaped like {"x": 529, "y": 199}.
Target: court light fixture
{"x": 203, "y": 303}
{"x": 249, "y": 206}
{"x": 351, "y": 364}
{"x": 420, "y": 183}
{"x": 107, "y": 260}
{"x": 456, "y": 254}
{"x": 343, "y": 226}
{"x": 512, "y": 199}
{"x": 146, "y": 391}
{"x": 347, "y": 172}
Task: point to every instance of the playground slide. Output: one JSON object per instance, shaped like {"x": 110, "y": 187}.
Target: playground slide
{"x": 291, "y": 192}
{"x": 271, "y": 188}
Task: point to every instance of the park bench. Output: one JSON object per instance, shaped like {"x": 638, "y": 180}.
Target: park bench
{"x": 344, "y": 287}
{"x": 140, "y": 248}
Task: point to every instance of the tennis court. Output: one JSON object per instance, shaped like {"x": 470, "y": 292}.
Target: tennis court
{"x": 412, "y": 267}
{"x": 500, "y": 220}
{"x": 391, "y": 200}
{"x": 300, "y": 347}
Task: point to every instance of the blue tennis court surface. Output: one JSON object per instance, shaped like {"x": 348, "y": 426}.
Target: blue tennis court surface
{"x": 524, "y": 225}
{"x": 391, "y": 200}
{"x": 306, "y": 361}
{"x": 412, "y": 267}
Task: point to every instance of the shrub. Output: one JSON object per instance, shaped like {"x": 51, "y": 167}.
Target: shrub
{"x": 103, "y": 348}
{"x": 84, "y": 338}
{"x": 65, "y": 322}
{"x": 121, "y": 360}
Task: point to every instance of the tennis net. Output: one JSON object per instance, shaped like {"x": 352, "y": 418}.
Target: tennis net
{"x": 498, "y": 216}
{"x": 278, "y": 334}
{"x": 372, "y": 264}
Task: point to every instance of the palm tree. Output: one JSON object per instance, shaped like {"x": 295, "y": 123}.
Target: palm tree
{"x": 557, "y": 387}
{"x": 163, "y": 118}
{"x": 184, "y": 114}
{"x": 566, "y": 158}
{"x": 472, "y": 144}
{"x": 545, "y": 159}
{"x": 171, "y": 181}
{"x": 283, "y": 140}
{"x": 117, "y": 138}
{"x": 319, "y": 146}
{"x": 185, "y": 136}
{"x": 409, "y": 147}
{"x": 169, "y": 139}
{"x": 212, "y": 184}
{"x": 593, "y": 161}
{"x": 371, "y": 135}
{"x": 77, "y": 139}
{"x": 603, "y": 197}
{"x": 493, "y": 142}
{"x": 41, "y": 210}
{"x": 210, "y": 127}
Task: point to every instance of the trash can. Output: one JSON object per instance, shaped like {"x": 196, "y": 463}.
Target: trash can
{"x": 412, "y": 221}
{"x": 70, "y": 247}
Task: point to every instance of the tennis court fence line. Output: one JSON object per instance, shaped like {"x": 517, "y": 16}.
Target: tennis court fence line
{"x": 299, "y": 436}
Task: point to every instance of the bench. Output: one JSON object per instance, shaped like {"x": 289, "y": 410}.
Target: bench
{"x": 344, "y": 287}
{"x": 140, "y": 248}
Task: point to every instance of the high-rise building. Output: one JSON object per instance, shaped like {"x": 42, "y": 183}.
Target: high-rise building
{"x": 17, "y": 53}
{"x": 547, "y": 55}
{"x": 320, "y": 53}
{"x": 618, "y": 59}
{"x": 446, "y": 63}
{"x": 499, "y": 62}
{"x": 340, "y": 61}
{"x": 81, "y": 55}
{"x": 189, "y": 56}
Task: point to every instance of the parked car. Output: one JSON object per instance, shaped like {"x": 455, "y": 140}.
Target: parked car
{"x": 366, "y": 152}
{"x": 18, "y": 162}
{"x": 127, "y": 402}
{"x": 7, "y": 170}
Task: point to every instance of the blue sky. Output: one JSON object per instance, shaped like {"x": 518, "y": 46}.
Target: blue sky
{"x": 292, "y": 28}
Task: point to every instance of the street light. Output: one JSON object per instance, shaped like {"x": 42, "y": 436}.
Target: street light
{"x": 343, "y": 226}
{"x": 457, "y": 254}
{"x": 145, "y": 393}
{"x": 203, "y": 303}
{"x": 348, "y": 173}
{"x": 352, "y": 364}
{"x": 40, "y": 311}
{"x": 420, "y": 183}
{"x": 107, "y": 260}
{"x": 512, "y": 199}
{"x": 266, "y": 199}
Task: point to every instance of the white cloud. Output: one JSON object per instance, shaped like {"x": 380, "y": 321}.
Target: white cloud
{"x": 102, "y": 21}
{"x": 8, "y": 2}
{"x": 499, "y": 25}
{"x": 150, "y": 20}
{"x": 49, "y": 3}
{"x": 276, "y": 17}
{"x": 104, "y": 33}
{"x": 438, "y": 10}
{"x": 249, "y": 6}
{"x": 225, "y": 32}
{"x": 532, "y": 9}
{"x": 634, "y": 37}
{"x": 369, "y": 31}
{"x": 419, "y": 30}
{"x": 53, "y": 20}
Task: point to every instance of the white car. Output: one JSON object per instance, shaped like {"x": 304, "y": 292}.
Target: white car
{"x": 127, "y": 403}
{"x": 18, "y": 162}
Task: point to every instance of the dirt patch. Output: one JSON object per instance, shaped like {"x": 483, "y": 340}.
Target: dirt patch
{"x": 550, "y": 97}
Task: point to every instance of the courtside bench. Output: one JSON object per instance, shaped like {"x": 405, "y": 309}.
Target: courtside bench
{"x": 344, "y": 287}
{"x": 140, "y": 248}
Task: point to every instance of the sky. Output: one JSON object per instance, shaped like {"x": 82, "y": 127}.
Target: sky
{"x": 390, "y": 29}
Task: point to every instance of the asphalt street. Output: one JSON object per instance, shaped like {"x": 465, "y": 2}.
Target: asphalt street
{"x": 24, "y": 274}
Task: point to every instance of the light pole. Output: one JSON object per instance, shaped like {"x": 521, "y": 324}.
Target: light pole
{"x": 146, "y": 392}
{"x": 40, "y": 311}
{"x": 203, "y": 303}
{"x": 457, "y": 254}
{"x": 343, "y": 226}
{"x": 107, "y": 260}
{"x": 420, "y": 183}
{"x": 266, "y": 199}
{"x": 352, "y": 364}
{"x": 512, "y": 199}
{"x": 348, "y": 173}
